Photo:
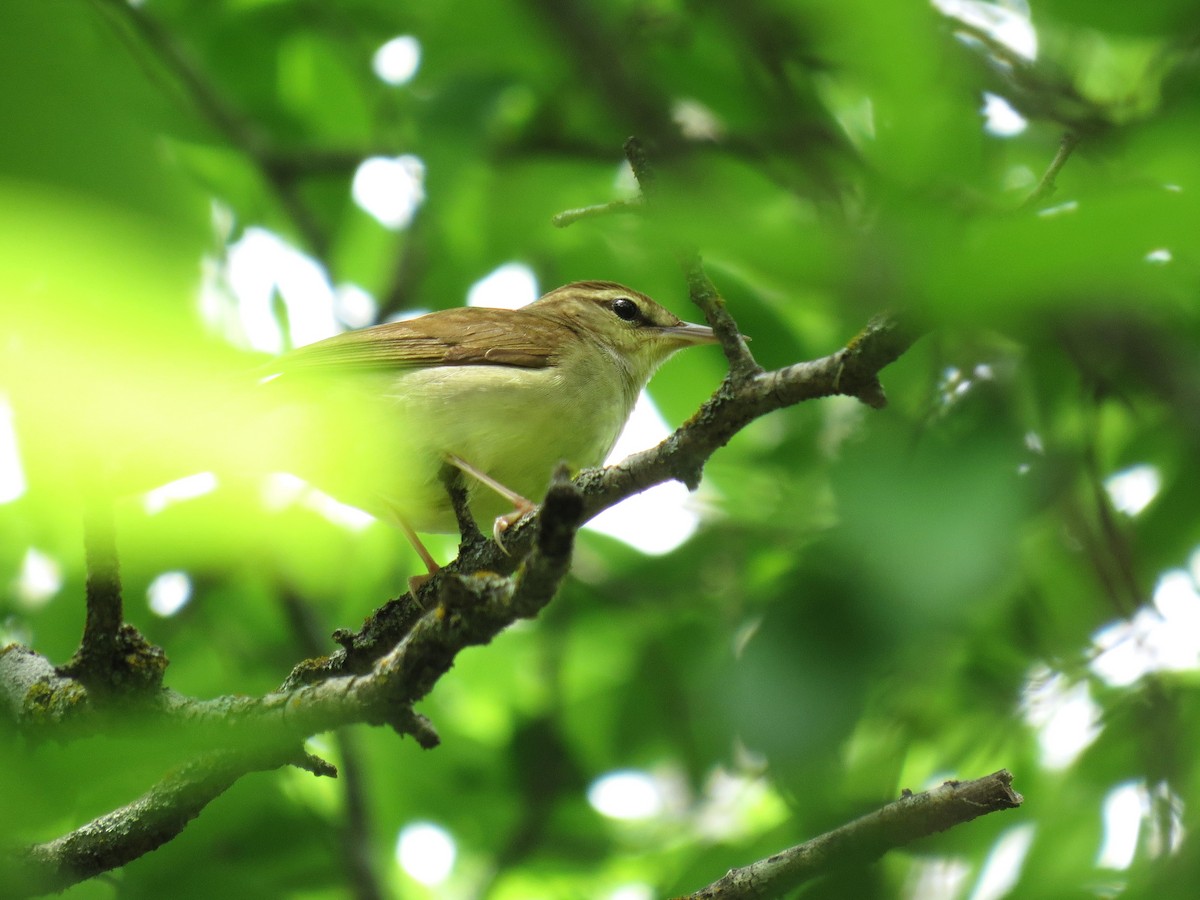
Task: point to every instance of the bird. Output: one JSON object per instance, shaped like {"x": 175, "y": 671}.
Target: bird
{"x": 503, "y": 395}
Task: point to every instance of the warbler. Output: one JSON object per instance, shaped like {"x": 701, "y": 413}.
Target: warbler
{"x": 502, "y": 394}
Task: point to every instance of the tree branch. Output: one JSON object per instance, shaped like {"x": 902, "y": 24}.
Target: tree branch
{"x": 863, "y": 840}
{"x": 470, "y": 610}
{"x": 852, "y": 371}
{"x": 147, "y": 823}
{"x": 354, "y": 685}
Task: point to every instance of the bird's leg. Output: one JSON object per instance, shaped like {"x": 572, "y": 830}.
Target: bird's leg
{"x": 508, "y": 494}
{"x": 416, "y": 581}
{"x": 426, "y": 556}
{"x": 522, "y": 506}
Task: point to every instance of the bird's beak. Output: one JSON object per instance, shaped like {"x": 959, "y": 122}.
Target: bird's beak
{"x": 687, "y": 333}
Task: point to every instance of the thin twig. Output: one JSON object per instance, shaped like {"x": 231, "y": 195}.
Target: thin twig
{"x": 643, "y": 169}
{"x": 865, "y": 839}
{"x": 742, "y": 365}
{"x": 1047, "y": 186}
{"x": 571, "y": 216}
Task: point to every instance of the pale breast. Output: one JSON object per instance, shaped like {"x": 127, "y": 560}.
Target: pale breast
{"x": 515, "y": 424}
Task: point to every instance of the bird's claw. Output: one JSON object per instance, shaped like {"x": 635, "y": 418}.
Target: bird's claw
{"x": 507, "y": 521}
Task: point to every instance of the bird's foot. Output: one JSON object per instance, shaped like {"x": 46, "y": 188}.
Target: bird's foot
{"x": 508, "y": 520}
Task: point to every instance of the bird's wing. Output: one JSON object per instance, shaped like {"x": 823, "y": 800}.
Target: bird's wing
{"x": 465, "y": 336}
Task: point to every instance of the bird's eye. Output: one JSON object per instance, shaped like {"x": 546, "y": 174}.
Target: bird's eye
{"x": 625, "y": 309}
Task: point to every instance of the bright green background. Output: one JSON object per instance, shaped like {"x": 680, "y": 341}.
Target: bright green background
{"x": 871, "y": 593}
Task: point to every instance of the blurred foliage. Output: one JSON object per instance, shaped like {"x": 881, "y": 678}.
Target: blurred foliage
{"x": 874, "y": 600}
